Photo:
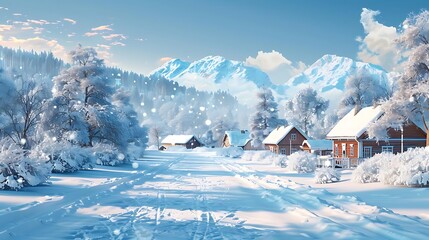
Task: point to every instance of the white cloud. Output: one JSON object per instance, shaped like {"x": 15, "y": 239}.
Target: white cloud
{"x": 278, "y": 68}
{"x": 70, "y": 20}
{"x": 38, "y": 22}
{"x": 90, "y": 34}
{"x": 118, "y": 44}
{"x": 113, "y": 36}
{"x": 37, "y": 44}
{"x": 5, "y": 28}
{"x": 378, "y": 45}
{"x": 102, "y": 28}
{"x": 164, "y": 60}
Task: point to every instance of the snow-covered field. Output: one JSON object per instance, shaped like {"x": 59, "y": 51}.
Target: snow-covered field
{"x": 198, "y": 195}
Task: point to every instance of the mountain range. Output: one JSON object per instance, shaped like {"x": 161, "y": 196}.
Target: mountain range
{"x": 327, "y": 75}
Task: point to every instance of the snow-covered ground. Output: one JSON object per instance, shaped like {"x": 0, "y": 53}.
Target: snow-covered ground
{"x": 198, "y": 195}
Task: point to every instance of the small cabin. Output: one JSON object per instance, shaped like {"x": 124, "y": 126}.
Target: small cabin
{"x": 237, "y": 139}
{"x": 319, "y": 147}
{"x": 285, "y": 140}
{"x": 188, "y": 141}
{"x": 351, "y": 141}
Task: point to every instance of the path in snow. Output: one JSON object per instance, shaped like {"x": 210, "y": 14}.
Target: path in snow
{"x": 200, "y": 196}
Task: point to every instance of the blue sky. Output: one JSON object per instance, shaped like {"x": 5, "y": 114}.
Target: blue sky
{"x": 138, "y": 34}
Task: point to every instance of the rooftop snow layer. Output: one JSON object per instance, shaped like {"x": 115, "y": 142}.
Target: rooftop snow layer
{"x": 177, "y": 139}
{"x": 319, "y": 144}
{"x": 353, "y": 126}
{"x": 238, "y": 138}
{"x": 279, "y": 133}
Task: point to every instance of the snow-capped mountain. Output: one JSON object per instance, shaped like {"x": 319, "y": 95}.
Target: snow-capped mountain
{"x": 327, "y": 75}
{"x": 331, "y": 72}
{"x": 214, "y": 73}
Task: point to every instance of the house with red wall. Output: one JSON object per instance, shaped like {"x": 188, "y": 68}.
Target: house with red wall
{"x": 285, "y": 140}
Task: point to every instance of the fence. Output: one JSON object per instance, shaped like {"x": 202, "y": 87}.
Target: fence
{"x": 328, "y": 161}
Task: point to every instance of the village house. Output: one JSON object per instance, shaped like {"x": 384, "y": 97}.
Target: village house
{"x": 188, "y": 141}
{"x": 237, "y": 139}
{"x": 320, "y": 147}
{"x": 351, "y": 141}
{"x": 285, "y": 140}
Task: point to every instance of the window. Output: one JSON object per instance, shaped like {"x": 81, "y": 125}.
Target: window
{"x": 283, "y": 151}
{"x": 352, "y": 150}
{"x": 344, "y": 150}
{"x": 387, "y": 149}
{"x": 271, "y": 148}
{"x": 336, "y": 150}
{"x": 294, "y": 150}
{"x": 367, "y": 152}
{"x": 293, "y": 136}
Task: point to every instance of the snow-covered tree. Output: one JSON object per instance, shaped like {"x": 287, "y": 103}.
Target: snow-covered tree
{"x": 155, "y": 136}
{"x": 23, "y": 110}
{"x": 362, "y": 90}
{"x": 265, "y": 119}
{"x": 411, "y": 99}
{"x": 216, "y": 131}
{"x": 306, "y": 109}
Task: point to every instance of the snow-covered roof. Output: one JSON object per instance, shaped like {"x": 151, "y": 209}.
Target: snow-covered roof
{"x": 319, "y": 144}
{"x": 353, "y": 126}
{"x": 238, "y": 138}
{"x": 177, "y": 139}
{"x": 279, "y": 133}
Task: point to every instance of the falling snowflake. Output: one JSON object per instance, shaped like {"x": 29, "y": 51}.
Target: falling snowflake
{"x": 208, "y": 122}
{"x": 23, "y": 141}
{"x": 135, "y": 165}
{"x": 142, "y": 104}
{"x": 54, "y": 139}
{"x": 153, "y": 110}
{"x": 121, "y": 156}
{"x": 202, "y": 109}
{"x": 172, "y": 96}
{"x": 144, "y": 114}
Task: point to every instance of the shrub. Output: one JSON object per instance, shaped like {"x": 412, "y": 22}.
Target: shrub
{"x": 263, "y": 156}
{"x": 63, "y": 156}
{"x": 106, "y": 154}
{"x": 232, "y": 152}
{"x": 410, "y": 168}
{"x": 327, "y": 175}
{"x": 17, "y": 170}
{"x": 301, "y": 162}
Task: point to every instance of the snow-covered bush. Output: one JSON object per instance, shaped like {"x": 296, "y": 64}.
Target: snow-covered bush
{"x": 410, "y": 168}
{"x": 63, "y": 156}
{"x": 327, "y": 175}
{"x": 263, "y": 156}
{"x": 301, "y": 162}
{"x": 17, "y": 170}
{"x": 232, "y": 152}
{"x": 369, "y": 170}
{"x": 134, "y": 152}
{"x": 106, "y": 154}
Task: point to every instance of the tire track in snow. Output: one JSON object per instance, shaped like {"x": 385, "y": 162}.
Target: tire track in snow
{"x": 48, "y": 212}
{"x": 368, "y": 226}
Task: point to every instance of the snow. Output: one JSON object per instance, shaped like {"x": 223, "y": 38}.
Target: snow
{"x": 177, "y": 139}
{"x": 353, "y": 126}
{"x": 318, "y": 144}
{"x": 279, "y": 133}
{"x": 238, "y": 138}
{"x": 198, "y": 195}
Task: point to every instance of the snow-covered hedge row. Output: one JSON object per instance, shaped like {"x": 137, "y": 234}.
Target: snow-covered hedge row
{"x": 326, "y": 175}
{"x": 106, "y": 154}
{"x": 232, "y": 152}
{"x": 17, "y": 170}
{"x": 410, "y": 168}
{"x": 263, "y": 156}
{"x": 64, "y": 156}
{"x": 301, "y": 162}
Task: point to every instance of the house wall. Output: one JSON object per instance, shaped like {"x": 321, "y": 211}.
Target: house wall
{"x": 248, "y": 146}
{"x": 193, "y": 143}
{"x": 338, "y": 144}
{"x": 226, "y": 142}
{"x": 413, "y": 137}
{"x": 286, "y": 144}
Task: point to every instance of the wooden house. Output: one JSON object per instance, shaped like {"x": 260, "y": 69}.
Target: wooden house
{"x": 237, "y": 139}
{"x": 320, "y": 147}
{"x": 188, "y": 141}
{"x": 351, "y": 141}
{"x": 285, "y": 140}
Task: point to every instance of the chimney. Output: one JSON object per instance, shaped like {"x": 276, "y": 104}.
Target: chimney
{"x": 357, "y": 108}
